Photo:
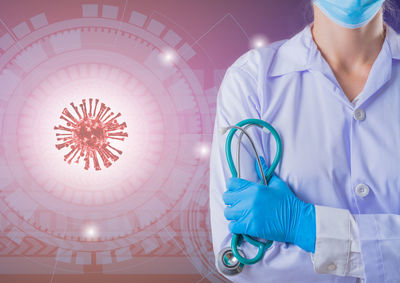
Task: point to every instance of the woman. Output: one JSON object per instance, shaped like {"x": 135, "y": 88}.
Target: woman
{"x": 333, "y": 93}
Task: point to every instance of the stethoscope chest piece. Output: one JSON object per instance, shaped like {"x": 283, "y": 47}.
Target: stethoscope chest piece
{"x": 227, "y": 263}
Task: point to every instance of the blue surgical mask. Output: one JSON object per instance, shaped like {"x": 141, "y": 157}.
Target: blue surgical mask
{"x": 349, "y": 13}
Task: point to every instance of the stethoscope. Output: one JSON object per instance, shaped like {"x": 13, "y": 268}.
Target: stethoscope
{"x": 230, "y": 261}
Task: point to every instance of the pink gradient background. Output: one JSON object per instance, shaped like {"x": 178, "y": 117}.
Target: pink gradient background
{"x": 144, "y": 219}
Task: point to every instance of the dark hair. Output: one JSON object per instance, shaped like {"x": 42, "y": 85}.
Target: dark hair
{"x": 308, "y": 13}
{"x": 391, "y": 13}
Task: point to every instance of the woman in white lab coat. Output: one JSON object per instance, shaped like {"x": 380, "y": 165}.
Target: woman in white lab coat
{"x": 333, "y": 93}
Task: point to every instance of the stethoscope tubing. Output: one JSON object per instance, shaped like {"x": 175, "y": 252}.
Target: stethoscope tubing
{"x": 241, "y": 126}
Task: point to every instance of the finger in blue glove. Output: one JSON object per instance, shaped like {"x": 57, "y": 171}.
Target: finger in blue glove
{"x": 271, "y": 212}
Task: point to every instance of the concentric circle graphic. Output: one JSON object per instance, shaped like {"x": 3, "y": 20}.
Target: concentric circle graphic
{"x": 118, "y": 209}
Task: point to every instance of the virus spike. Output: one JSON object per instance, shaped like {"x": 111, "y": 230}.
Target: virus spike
{"x": 90, "y": 135}
{"x": 104, "y": 114}
{"x": 76, "y": 110}
{"x": 62, "y": 145}
{"x": 109, "y": 154}
{"x": 123, "y": 126}
{"x": 117, "y": 136}
{"x": 69, "y": 123}
{"x": 65, "y": 139}
{"x": 95, "y": 106}
{"x": 87, "y": 163}
{"x": 69, "y": 115}
{"x": 83, "y": 108}
{"x": 111, "y": 127}
{"x": 76, "y": 150}
{"x": 59, "y": 127}
{"x": 96, "y": 161}
{"x": 113, "y": 138}
{"x": 79, "y": 156}
{"x": 72, "y": 157}
{"x": 103, "y": 157}
{"x": 102, "y": 108}
{"x": 116, "y": 116}
{"x": 90, "y": 109}
{"x": 119, "y": 151}
{"x": 122, "y": 134}
{"x": 109, "y": 115}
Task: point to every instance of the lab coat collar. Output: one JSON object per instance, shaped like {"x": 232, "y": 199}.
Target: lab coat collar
{"x": 293, "y": 54}
{"x": 394, "y": 42}
{"x": 298, "y": 53}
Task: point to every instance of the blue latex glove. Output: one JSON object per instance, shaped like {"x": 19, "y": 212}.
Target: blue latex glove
{"x": 270, "y": 212}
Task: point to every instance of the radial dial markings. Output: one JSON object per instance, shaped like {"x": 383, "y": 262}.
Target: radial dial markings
{"x": 130, "y": 209}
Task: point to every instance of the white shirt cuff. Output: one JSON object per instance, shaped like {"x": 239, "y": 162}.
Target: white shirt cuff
{"x": 337, "y": 247}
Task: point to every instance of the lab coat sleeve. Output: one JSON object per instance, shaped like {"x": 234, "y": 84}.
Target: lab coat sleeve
{"x": 359, "y": 245}
{"x": 235, "y": 95}
{"x": 337, "y": 245}
{"x": 237, "y": 100}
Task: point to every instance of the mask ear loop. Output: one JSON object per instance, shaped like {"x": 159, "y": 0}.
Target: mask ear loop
{"x": 236, "y": 238}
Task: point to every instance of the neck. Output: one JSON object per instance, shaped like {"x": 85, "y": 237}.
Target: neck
{"x": 348, "y": 49}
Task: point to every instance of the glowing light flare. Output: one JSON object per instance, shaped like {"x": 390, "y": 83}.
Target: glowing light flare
{"x": 203, "y": 150}
{"x": 168, "y": 56}
{"x": 258, "y": 41}
{"x": 90, "y": 232}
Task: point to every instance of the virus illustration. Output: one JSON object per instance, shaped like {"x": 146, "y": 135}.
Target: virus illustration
{"x": 89, "y": 134}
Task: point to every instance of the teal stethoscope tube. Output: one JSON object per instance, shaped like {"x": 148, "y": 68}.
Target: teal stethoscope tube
{"x": 237, "y": 238}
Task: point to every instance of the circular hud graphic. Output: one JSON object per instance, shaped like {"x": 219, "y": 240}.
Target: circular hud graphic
{"x": 104, "y": 122}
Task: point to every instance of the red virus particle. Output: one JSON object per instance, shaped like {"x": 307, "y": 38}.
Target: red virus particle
{"x": 89, "y": 133}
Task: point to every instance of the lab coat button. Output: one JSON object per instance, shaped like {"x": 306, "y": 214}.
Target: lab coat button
{"x": 362, "y": 190}
{"x": 332, "y": 267}
{"x": 359, "y": 114}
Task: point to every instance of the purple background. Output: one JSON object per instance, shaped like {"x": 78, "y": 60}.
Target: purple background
{"x": 219, "y": 31}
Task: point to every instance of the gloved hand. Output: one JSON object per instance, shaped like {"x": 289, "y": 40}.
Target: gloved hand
{"x": 270, "y": 212}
